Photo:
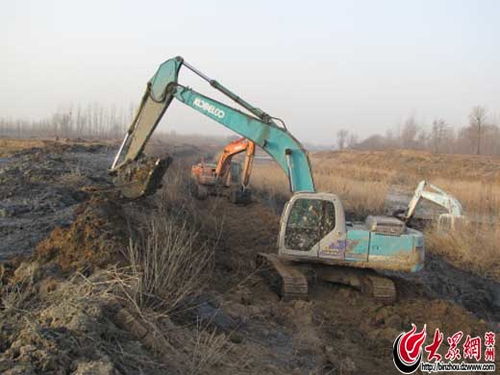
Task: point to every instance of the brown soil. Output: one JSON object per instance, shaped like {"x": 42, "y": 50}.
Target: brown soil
{"x": 94, "y": 239}
{"x": 338, "y": 329}
{"x": 64, "y": 311}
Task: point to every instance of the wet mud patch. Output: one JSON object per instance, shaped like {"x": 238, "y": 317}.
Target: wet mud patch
{"x": 40, "y": 188}
{"x": 441, "y": 280}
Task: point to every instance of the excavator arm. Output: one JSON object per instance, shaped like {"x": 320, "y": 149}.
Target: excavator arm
{"x": 247, "y": 164}
{"x": 258, "y": 127}
{"x": 439, "y": 197}
{"x": 436, "y": 196}
{"x": 232, "y": 149}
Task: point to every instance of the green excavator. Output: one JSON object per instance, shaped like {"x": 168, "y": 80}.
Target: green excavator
{"x": 314, "y": 233}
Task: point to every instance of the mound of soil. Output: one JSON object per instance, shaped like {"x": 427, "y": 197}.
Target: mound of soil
{"x": 96, "y": 238}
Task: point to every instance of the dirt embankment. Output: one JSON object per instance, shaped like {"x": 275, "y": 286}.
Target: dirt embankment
{"x": 76, "y": 307}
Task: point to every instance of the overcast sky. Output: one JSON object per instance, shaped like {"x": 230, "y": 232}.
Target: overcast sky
{"x": 320, "y": 65}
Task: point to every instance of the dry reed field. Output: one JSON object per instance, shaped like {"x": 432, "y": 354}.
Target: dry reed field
{"x": 363, "y": 180}
{"x": 8, "y": 145}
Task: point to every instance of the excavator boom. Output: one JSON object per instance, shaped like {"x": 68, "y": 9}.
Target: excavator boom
{"x": 258, "y": 127}
{"x": 232, "y": 149}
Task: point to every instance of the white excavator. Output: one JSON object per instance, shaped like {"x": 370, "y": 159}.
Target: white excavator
{"x": 429, "y": 192}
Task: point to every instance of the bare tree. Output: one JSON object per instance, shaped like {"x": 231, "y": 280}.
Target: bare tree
{"x": 352, "y": 140}
{"x": 342, "y": 138}
{"x": 409, "y": 133}
{"x": 477, "y": 119}
{"x": 439, "y": 133}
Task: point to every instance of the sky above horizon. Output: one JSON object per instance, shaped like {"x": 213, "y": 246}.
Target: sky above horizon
{"x": 365, "y": 66}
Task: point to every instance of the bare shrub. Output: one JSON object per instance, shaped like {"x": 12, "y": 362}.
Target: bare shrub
{"x": 169, "y": 259}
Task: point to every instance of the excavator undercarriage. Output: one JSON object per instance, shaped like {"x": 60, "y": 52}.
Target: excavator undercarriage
{"x": 291, "y": 278}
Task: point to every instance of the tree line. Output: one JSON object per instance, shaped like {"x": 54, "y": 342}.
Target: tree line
{"x": 480, "y": 136}
{"x": 91, "y": 121}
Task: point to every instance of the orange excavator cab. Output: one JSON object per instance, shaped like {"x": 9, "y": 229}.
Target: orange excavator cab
{"x": 225, "y": 176}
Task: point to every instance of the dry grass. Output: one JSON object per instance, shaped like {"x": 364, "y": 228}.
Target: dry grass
{"x": 209, "y": 348}
{"x": 363, "y": 180}
{"x": 474, "y": 180}
{"x": 473, "y": 247}
{"x": 8, "y": 145}
{"x": 359, "y": 196}
{"x": 16, "y": 297}
{"x": 481, "y": 199}
{"x": 74, "y": 178}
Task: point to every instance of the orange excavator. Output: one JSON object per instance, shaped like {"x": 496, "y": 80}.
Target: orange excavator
{"x": 225, "y": 177}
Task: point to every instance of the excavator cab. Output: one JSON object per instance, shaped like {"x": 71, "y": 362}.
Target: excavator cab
{"x": 313, "y": 226}
{"x": 310, "y": 224}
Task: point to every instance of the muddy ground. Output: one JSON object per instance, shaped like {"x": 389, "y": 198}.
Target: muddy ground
{"x": 63, "y": 232}
{"x": 40, "y": 187}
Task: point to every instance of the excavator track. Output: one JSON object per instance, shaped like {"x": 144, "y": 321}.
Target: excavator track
{"x": 382, "y": 289}
{"x": 283, "y": 275}
{"x": 291, "y": 282}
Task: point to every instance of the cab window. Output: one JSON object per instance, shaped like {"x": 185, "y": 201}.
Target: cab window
{"x": 308, "y": 222}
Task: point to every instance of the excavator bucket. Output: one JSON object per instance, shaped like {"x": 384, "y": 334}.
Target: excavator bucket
{"x": 140, "y": 178}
